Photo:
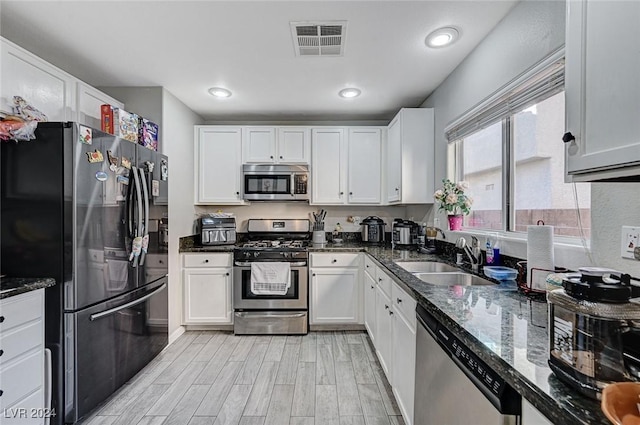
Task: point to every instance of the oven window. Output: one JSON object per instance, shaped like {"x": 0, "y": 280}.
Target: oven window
{"x": 267, "y": 184}
{"x": 292, "y": 294}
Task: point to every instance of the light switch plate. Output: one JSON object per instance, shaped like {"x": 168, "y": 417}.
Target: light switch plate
{"x": 629, "y": 241}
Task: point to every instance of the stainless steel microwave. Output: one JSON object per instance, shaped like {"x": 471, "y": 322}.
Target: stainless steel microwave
{"x": 275, "y": 182}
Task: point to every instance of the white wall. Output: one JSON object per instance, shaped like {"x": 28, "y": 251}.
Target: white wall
{"x": 178, "y": 146}
{"x": 531, "y": 31}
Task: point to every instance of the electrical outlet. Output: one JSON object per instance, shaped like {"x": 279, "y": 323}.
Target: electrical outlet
{"x": 629, "y": 241}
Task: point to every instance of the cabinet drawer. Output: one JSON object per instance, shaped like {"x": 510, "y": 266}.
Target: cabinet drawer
{"x": 207, "y": 260}
{"x": 335, "y": 260}
{"x": 156, "y": 261}
{"x": 29, "y": 411}
{"x": 404, "y": 303}
{"x": 384, "y": 281}
{"x": 21, "y": 378}
{"x": 21, "y": 309}
{"x": 20, "y": 340}
{"x": 369, "y": 266}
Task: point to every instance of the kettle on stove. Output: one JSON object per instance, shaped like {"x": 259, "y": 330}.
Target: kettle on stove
{"x": 594, "y": 330}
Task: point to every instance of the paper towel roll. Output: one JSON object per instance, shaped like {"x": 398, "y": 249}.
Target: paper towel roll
{"x": 539, "y": 255}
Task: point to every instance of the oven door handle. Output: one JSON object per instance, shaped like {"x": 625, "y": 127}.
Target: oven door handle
{"x": 254, "y": 315}
{"x": 248, "y": 263}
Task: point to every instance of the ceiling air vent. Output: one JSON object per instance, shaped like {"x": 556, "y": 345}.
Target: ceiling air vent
{"x": 319, "y": 39}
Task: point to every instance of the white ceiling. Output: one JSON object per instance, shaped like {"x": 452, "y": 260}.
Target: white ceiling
{"x": 190, "y": 46}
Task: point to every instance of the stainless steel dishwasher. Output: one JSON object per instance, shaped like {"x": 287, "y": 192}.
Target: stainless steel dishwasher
{"x": 455, "y": 387}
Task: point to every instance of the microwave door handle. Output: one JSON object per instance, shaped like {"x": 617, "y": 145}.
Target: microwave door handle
{"x": 145, "y": 230}
{"x": 293, "y": 185}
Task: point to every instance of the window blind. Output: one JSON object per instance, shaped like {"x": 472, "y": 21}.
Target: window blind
{"x": 542, "y": 81}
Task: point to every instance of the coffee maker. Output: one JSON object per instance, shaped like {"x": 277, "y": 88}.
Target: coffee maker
{"x": 594, "y": 330}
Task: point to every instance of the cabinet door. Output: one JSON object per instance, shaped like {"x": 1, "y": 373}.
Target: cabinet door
{"x": 384, "y": 332}
{"x": 44, "y": 86}
{"x": 370, "y": 306}
{"x": 328, "y": 166}
{"x": 218, "y": 171}
{"x": 404, "y": 365}
{"x": 207, "y": 296}
{"x": 335, "y": 295}
{"x": 294, "y": 145}
{"x": 602, "y": 97}
{"x": 259, "y": 145}
{"x": 89, "y": 102}
{"x": 394, "y": 160}
{"x": 365, "y": 156}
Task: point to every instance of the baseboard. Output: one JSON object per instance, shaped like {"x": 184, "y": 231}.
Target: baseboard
{"x": 337, "y": 327}
{"x": 176, "y": 334}
{"x": 209, "y": 327}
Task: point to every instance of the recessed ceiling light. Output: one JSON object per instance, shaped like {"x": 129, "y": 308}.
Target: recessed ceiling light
{"x": 349, "y": 93}
{"x": 219, "y": 92}
{"x": 442, "y": 37}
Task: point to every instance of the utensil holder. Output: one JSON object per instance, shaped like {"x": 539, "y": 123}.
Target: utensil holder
{"x": 319, "y": 237}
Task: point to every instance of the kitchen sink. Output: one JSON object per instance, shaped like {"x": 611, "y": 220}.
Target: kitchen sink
{"x": 452, "y": 278}
{"x": 426, "y": 267}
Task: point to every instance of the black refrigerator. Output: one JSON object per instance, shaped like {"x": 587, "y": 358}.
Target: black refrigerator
{"x": 82, "y": 206}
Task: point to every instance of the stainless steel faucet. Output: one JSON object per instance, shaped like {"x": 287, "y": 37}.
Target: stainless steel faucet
{"x": 474, "y": 253}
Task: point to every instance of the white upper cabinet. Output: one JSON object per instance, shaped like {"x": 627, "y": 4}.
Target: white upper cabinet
{"x": 294, "y": 145}
{"x": 218, "y": 171}
{"x": 328, "y": 166}
{"x": 410, "y": 157}
{"x": 346, "y": 166}
{"x": 89, "y": 101}
{"x": 364, "y": 165}
{"x": 276, "y": 145}
{"x": 259, "y": 145}
{"x": 602, "y": 90}
{"x": 41, "y": 84}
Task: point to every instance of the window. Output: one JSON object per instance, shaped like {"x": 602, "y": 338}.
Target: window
{"x": 509, "y": 151}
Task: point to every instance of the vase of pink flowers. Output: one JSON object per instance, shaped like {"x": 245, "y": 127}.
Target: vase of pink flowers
{"x": 454, "y": 202}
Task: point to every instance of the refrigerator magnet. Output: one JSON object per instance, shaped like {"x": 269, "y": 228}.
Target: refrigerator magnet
{"x": 101, "y": 176}
{"x": 113, "y": 161}
{"x": 155, "y": 188}
{"x": 85, "y": 135}
{"x": 123, "y": 180}
{"x": 150, "y": 166}
{"x": 95, "y": 156}
{"x": 164, "y": 171}
{"x": 126, "y": 163}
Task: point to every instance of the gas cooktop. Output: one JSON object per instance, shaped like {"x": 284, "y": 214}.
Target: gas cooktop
{"x": 275, "y": 244}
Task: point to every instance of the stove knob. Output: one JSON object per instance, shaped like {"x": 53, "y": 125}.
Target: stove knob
{"x": 286, "y": 254}
{"x": 247, "y": 254}
{"x": 256, "y": 253}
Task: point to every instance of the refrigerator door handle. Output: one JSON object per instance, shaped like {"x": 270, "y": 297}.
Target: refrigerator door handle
{"x": 137, "y": 243}
{"x": 127, "y": 305}
{"x": 145, "y": 231}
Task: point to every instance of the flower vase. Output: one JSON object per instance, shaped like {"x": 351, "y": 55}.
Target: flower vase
{"x": 455, "y": 221}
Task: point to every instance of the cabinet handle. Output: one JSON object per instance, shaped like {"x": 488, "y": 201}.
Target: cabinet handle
{"x": 367, "y": 266}
{"x": 271, "y": 157}
{"x": 280, "y": 156}
{"x": 568, "y": 137}
{"x": 390, "y": 313}
{"x": 371, "y": 286}
{"x": 1, "y": 319}
{"x": 386, "y": 307}
{"x": 1, "y": 353}
{"x": 313, "y": 274}
{"x": 206, "y": 261}
{"x": 334, "y": 261}
{"x": 1, "y": 392}
{"x": 379, "y": 279}
{"x": 397, "y": 189}
{"x": 350, "y": 193}
{"x": 160, "y": 261}
{"x": 226, "y": 274}
{"x": 237, "y": 193}
{"x": 341, "y": 193}
{"x": 398, "y": 300}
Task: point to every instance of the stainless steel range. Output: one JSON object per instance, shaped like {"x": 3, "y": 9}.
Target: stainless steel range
{"x": 270, "y": 284}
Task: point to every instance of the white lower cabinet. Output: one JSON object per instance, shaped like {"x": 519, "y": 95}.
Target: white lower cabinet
{"x": 22, "y": 361}
{"x": 335, "y": 289}
{"x": 207, "y": 283}
{"x": 390, "y": 320}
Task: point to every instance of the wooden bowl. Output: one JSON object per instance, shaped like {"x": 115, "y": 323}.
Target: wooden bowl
{"x": 621, "y": 403}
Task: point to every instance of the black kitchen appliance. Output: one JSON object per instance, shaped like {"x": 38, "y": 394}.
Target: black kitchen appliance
{"x": 404, "y": 234}
{"x": 272, "y": 309}
{"x": 75, "y": 202}
{"x": 217, "y": 229}
{"x": 373, "y": 230}
{"x": 594, "y": 330}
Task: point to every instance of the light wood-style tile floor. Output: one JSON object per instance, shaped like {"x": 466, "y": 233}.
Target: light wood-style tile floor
{"x": 215, "y": 378}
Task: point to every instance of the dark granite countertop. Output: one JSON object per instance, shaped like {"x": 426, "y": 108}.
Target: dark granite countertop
{"x": 505, "y": 328}
{"x": 10, "y": 286}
